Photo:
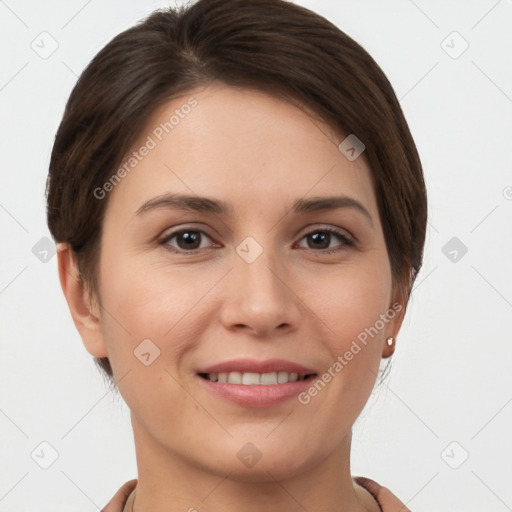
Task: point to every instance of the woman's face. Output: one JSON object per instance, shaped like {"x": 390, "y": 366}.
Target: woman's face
{"x": 249, "y": 272}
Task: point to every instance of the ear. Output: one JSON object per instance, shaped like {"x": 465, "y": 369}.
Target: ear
{"x": 396, "y": 314}
{"x": 85, "y": 312}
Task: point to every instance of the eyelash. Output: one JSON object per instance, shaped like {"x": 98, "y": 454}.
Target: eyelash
{"x": 346, "y": 242}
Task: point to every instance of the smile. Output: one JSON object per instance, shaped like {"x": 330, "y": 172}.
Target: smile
{"x": 256, "y": 379}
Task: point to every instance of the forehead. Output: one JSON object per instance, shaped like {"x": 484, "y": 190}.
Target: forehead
{"x": 242, "y": 146}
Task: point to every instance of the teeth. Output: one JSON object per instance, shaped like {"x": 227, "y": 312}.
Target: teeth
{"x": 268, "y": 378}
{"x": 234, "y": 378}
{"x": 254, "y": 379}
{"x": 250, "y": 379}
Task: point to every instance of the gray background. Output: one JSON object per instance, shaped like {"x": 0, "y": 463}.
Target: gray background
{"x": 449, "y": 392}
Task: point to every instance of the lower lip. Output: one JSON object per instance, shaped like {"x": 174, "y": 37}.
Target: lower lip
{"x": 258, "y": 395}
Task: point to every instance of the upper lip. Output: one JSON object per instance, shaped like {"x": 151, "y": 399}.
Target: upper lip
{"x": 255, "y": 366}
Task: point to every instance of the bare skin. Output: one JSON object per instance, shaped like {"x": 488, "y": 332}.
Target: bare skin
{"x": 295, "y": 301}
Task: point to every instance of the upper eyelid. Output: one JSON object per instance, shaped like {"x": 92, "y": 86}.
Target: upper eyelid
{"x": 326, "y": 227}
{"x": 176, "y": 231}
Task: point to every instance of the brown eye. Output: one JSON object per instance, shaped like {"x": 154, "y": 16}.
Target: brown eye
{"x": 321, "y": 239}
{"x": 187, "y": 240}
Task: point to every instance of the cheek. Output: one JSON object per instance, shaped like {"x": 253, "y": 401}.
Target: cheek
{"x": 351, "y": 304}
{"x": 352, "y": 299}
{"x": 142, "y": 300}
{"x": 147, "y": 329}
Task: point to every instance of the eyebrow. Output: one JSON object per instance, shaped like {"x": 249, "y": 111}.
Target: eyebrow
{"x": 206, "y": 204}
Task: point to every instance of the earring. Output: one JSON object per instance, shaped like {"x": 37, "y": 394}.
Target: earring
{"x": 390, "y": 342}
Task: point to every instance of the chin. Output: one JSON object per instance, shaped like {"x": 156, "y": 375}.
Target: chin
{"x": 261, "y": 461}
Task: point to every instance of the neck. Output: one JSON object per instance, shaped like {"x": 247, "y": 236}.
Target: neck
{"x": 169, "y": 482}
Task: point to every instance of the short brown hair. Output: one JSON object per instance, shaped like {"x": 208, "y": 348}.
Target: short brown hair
{"x": 271, "y": 45}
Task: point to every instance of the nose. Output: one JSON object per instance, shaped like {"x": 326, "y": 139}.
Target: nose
{"x": 260, "y": 298}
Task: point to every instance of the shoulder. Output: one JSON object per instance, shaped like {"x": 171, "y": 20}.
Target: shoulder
{"x": 118, "y": 501}
{"x": 385, "y": 498}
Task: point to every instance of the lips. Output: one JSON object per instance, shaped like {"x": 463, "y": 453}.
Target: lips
{"x": 252, "y": 383}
